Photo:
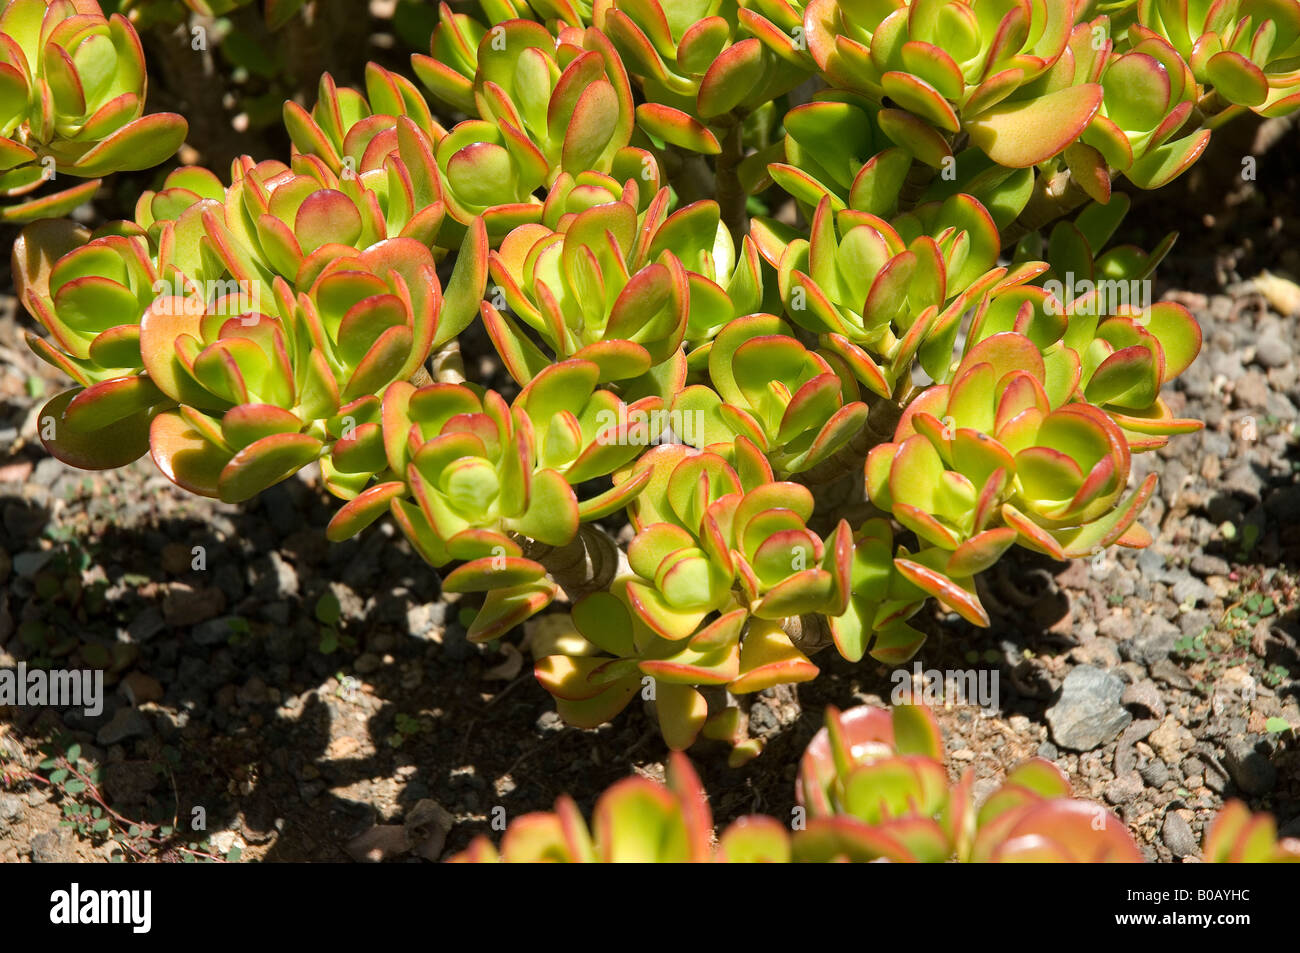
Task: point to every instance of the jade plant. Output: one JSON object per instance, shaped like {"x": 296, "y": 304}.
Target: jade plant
{"x": 800, "y": 315}
{"x": 72, "y": 97}
{"x": 636, "y": 821}
{"x": 872, "y": 787}
{"x": 1237, "y": 836}
{"x": 875, "y": 787}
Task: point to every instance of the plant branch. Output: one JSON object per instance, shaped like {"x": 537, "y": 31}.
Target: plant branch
{"x": 123, "y": 823}
{"x": 590, "y": 563}
{"x": 1054, "y": 196}
{"x": 730, "y": 193}
{"x": 810, "y": 633}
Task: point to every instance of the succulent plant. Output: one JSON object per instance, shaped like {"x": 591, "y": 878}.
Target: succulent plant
{"x": 697, "y": 65}
{"x": 872, "y": 787}
{"x": 705, "y": 549}
{"x": 821, "y": 356}
{"x": 875, "y": 788}
{"x": 569, "y": 96}
{"x": 598, "y": 290}
{"x": 73, "y": 93}
{"x": 791, "y": 402}
{"x": 1236, "y": 836}
{"x": 1244, "y": 49}
{"x": 636, "y": 821}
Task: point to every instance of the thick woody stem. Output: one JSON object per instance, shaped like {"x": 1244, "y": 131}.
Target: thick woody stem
{"x": 445, "y": 366}
{"x": 448, "y": 364}
{"x": 839, "y": 480}
{"x": 590, "y": 563}
{"x": 810, "y": 633}
{"x": 1054, "y": 196}
{"x": 882, "y": 420}
{"x": 731, "y": 194}
{"x": 919, "y": 177}
{"x": 195, "y": 88}
{"x": 320, "y": 40}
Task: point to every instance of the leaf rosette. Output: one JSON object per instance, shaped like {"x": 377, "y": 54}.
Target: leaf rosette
{"x": 875, "y": 788}
{"x": 72, "y": 92}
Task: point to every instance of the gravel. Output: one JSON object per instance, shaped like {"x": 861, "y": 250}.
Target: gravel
{"x": 126, "y": 725}
{"x": 1088, "y": 713}
{"x": 1178, "y": 837}
{"x": 1251, "y": 769}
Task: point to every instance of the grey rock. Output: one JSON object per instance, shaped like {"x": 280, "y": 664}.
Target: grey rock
{"x": 1099, "y": 652}
{"x": 366, "y": 663}
{"x": 1243, "y": 479}
{"x": 1125, "y": 788}
{"x": 1125, "y": 758}
{"x": 1139, "y": 730}
{"x": 1272, "y": 351}
{"x": 47, "y": 471}
{"x": 1152, "y": 564}
{"x": 1252, "y": 771}
{"x": 1215, "y": 444}
{"x": 1144, "y": 694}
{"x": 1216, "y": 782}
{"x": 1117, "y": 627}
{"x": 1227, "y": 363}
{"x": 50, "y": 847}
{"x": 1194, "y": 622}
{"x": 1279, "y": 406}
{"x": 427, "y": 826}
{"x": 213, "y": 632}
{"x": 422, "y": 620}
{"x": 351, "y": 606}
{"x": 27, "y": 565}
{"x": 1088, "y": 713}
{"x": 380, "y": 843}
{"x": 1166, "y": 671}
{"x": 1125, "y": 755}
{"x": 127, "y": 724}
{"x": 1155, "y": 773}
{"x": 1154, "y": 641}
{"x": 1251, "y": 390}
{"x": 271, "y": 576}
{"x": 1178, "y": 836}
{"x": 11, "y": 806}
{"x": 148, "y": 623}
{"x": 1190, "y": 591}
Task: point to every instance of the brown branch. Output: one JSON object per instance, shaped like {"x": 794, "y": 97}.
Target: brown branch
{"x": 1054, "y": 196}
{"x": 810, "y": 633}
{"x": 590, "y": 563}
{"x": 731, "y": 194}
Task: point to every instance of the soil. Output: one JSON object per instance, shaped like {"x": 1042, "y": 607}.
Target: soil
{"x": 228, "y": 693}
